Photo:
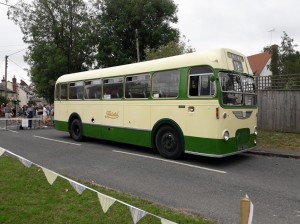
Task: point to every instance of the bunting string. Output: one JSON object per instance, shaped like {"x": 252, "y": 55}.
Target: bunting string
{"x": 105, "y": 201}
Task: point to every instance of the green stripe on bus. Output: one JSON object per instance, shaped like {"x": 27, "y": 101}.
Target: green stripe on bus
{"x": 216, "y": 146}
{"x": 143, "y": 138}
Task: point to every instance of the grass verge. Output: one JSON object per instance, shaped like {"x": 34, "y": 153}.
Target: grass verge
{"x": 26, "y": 197}
{"x": 278, "y": 140}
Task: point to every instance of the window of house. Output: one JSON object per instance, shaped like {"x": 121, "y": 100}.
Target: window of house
{"x": 200, "y": 83}
{"x": 165, "y": 84}
{"x": 137, "y": 86}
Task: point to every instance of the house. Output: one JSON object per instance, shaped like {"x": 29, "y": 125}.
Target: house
{"x": 260, "y": 64}
{"x": 17, "y": 91}
{"x": 10, "y": 93}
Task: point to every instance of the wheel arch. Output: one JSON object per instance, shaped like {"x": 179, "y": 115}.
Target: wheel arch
{"x": 169, "y": 122}
{"x": 72, "y": 117}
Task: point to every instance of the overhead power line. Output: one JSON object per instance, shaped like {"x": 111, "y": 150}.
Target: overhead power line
{"x": 15, "y": 63}
{"x": 7, "y": 5}
{"x": 18, "y": 51}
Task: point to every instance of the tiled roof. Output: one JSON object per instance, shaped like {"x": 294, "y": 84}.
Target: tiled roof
{"x": 258, "y": 62}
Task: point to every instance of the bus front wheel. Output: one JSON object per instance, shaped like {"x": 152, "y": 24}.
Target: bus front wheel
{"x": 76, "y": 130}
{"x": 168, "y": 142}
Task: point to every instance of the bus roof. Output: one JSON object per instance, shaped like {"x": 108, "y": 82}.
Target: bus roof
{"x": 217, "y": 58}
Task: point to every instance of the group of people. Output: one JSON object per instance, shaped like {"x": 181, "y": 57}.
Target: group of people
{"x": 45, "y": 111}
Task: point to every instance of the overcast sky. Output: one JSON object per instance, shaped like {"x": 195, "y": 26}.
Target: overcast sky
{"x": 243, "y": 25}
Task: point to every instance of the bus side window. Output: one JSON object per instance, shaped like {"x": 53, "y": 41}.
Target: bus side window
{"x": 92, "y": 89}
{"x": 165, "y": 84}
{"x": 113, "y": 88}
{"x": 64, "y": 91}
{"x": 57, "y": 92}
{"x": 76, "y": 90}
{"x": 199, "y": 82}
{"x": 137, "y": 86}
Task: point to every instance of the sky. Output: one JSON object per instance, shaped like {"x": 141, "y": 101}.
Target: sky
{"x": 243, "y": 25}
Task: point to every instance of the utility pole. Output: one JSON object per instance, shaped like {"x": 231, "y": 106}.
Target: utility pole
{"x": 137, "y": 45}
{"x": 5, "y": 93}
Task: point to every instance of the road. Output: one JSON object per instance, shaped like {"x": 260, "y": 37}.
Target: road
{"x": 209, "y": 187}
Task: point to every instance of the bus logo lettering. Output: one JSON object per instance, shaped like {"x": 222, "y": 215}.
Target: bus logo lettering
{"x": 112, "y": 115}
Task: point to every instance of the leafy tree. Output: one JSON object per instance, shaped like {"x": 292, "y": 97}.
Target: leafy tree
{"x": 171, "y": 49}
{"x": 285, "y": 63}
{"x": 290, "y": 63}
{"x": 120, "y": 18}
{"x": 76, "y": 35}
{"x": 290, "y": 59}
{"x": 60, "y": 36}
{"x": 3, "y": 100}
{"x": 275, "y": 59}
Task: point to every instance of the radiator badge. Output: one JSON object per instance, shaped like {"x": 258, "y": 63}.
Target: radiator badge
{"x": 112, "y": 115}
{"x": 242, "y": 114}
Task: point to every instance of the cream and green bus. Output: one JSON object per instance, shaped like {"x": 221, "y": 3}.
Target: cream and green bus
{"x": 199, "y": 103}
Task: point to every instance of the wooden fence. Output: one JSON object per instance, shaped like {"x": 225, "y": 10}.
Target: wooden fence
{"x": 279, "y": 110}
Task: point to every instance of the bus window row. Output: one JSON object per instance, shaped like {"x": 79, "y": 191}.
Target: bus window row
{"x": 165, "y": 84}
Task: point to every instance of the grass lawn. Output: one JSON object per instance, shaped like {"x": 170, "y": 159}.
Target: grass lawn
{"x": 27, "y": 197}
{"x": 278, "y": 140}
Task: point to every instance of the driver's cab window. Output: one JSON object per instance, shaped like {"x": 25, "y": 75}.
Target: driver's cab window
{"x": 200, "y": 83}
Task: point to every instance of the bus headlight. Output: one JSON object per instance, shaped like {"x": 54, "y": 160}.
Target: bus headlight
{"x": 226, "y": 135}
{"x": 255, "y": 135}
{"x": 255, "y": 131}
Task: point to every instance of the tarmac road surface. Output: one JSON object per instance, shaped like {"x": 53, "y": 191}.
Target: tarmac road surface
{"x": 209, "y": 187}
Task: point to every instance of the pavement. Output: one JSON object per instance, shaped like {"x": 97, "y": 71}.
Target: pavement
{"x": 285, "y": 153}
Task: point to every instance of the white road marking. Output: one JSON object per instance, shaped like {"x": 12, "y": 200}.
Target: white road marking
{"x": 174, "y": 162}
{"x": 9, "y": 130}
{"x": 50, "y": 139}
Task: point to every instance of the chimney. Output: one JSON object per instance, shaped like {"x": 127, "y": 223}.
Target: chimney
{"x": 14, "y": 84}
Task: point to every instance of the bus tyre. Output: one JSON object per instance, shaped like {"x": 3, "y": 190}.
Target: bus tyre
{"x": 168, "y": 142}
{"x": 76, "y": 130}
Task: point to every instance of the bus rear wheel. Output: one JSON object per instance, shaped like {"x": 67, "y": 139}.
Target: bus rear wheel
{"x": 168, "y": 142}
{"x": 76, "y": 130}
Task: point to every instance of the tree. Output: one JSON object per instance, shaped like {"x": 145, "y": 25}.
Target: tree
{"x": 61, "y": 39}
{"x": 171, "y": 49}
{"x": 3, "y": 100}
{"x": 285, "y": 64}
{"x": 120, "y": 18}
{"x": 290, "y": 59}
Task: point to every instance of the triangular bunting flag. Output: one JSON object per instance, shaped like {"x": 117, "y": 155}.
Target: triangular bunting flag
{"x": 137, "y": 214}
{"x": 2, "y": 150}
{"x": 78, "y": 187}
{"x": 105, "y": 201}
{"x": 51, "y": 176}
{"x": 165, "y": 221}
{"x": 25, "y": 162}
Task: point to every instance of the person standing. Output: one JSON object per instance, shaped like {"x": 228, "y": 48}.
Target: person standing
{"x": 45, "y": 115}
{"x": 29, "y": 113}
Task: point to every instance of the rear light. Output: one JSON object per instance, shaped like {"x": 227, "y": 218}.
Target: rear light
{"x": 217, "y": 112}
